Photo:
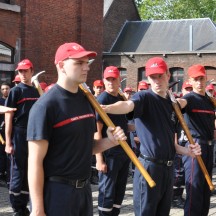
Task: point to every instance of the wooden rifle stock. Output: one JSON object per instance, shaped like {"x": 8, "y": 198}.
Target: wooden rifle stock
{"x": 123, "y": 143}
{"x": 190, "y": 138}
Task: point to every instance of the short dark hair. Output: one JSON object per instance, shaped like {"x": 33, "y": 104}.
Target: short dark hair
{"x": 5, "y": 83}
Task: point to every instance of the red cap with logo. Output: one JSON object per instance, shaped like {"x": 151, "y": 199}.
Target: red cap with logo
{"x": 111, "y": 71}
{"x": 43, "y": 85}
{"x": 196, "y": 71}
{"x": 155, "y": 65}
{"x": 72, "y": 50}
{"x": 128, "y": 89}
{"x": 186, "y": 84}
{"x": 143, "y": 85}
{"x": 49, "y": 87}
{"x": 24, "y": 65}
{"x": 210, "y": 87}
{"x": 17, "y": 78}
{"x": 98, "y": 83}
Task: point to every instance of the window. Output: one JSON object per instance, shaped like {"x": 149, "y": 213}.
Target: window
{"x": 123, "y": 75}
{"x": 5, "y": 76}
{"x": 6, "y": 53}
{"x": 177, "y": 74}
{"x": 141, "y": 74}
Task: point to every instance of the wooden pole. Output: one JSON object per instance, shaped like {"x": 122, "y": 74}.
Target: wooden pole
{"x": 123, "y": 144}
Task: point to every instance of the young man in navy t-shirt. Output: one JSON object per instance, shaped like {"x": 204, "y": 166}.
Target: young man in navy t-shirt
{"x": 61, "y": 140}
{"x": 200, "y": 118}
{"x": 113, "y": 164}
{"x": 155, "y": 123}
{"x": 21, "y": 97}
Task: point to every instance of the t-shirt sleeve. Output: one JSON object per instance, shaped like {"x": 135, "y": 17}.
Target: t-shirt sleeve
{"x": 13, "y": 97}
{"x": 100, "y": 101}
{"x": 40, "y": 123}
{"x": 139, "y": 100}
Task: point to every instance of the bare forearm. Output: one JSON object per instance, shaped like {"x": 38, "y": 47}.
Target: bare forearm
{"x": 102, "y": 145}
{"x": 182, "y": 150}
{"x": 120, "y": 107}
{"x": 37, "y": 152}
{"x": 36, "y": 184}
{"x": 8, "y": 127}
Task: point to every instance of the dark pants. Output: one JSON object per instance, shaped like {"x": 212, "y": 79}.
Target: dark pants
{"x": 197, "y": 190}
{"x": 3, "y": 160}
{"x": 66, "y": 200}
{"x": 154, "y": 201}
{"x": 179, "y": 176}
{"x": 112, "y": 184}
{"x": 18, "y": 191}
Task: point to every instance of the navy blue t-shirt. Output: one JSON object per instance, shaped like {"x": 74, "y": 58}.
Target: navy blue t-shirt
{"x": 118, "y": 120}
{"x": 199, "y": 116}
{"x": 67, "y": 121}
{"x": 21, "y": 97}
{"x": 155, "y": 123}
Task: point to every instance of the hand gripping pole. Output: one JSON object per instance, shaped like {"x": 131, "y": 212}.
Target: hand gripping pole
{"x": 123, "y": 144}
{"x": 190, "y": 138}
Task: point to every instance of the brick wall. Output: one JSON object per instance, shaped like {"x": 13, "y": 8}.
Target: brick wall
{"x": 184, "y": 61}
{"x": 10, "y": 27}
{"x": 47, "y": 24}
{"x": 120, "y": 11}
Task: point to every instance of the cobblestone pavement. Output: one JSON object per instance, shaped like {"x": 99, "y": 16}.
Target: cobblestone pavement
{"x": 127, "y": 206}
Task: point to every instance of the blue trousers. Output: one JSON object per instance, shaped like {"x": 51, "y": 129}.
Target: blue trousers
{"x": 18, "y": 191}
{"x": 154, "y": 201}
{"x": 66, "y": 200}
{"x": 112, "y": 184}
{"x": 197, "y": 190}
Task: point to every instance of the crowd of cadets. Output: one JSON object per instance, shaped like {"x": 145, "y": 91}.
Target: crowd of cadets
{"x": 110, "y": 168}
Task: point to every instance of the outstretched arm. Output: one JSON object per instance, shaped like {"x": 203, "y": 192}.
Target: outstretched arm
{"x": 120, "y": 107}
{"x": 4, "y": 109}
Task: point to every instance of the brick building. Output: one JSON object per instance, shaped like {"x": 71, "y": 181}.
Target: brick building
{"x": 34, "y": 29}
{"x": 181, "y": 43}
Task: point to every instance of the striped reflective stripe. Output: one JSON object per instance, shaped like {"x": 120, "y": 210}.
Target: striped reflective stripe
{"x": 17, "y": 194}
{"x": 26, "y": 99}
{"x": 109, "y": 209}
{"x": 116, "y": 206}
{"x": 203, "y": 111}
{"x": 67, "y": 121}
{"x": 104, "y": 209}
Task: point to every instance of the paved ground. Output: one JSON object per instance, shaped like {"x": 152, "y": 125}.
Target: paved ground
{"x": 127, "y": 207}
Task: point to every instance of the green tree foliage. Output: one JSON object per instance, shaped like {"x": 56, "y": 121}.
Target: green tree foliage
{"x": 176, "y": 9}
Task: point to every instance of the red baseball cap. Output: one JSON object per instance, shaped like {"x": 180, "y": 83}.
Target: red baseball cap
{"x": 24, "y": 65}
{"x": 98, "y": 83}
{"x": 49, "y": 87}
{"x": 143, "y": 85}
{"x": 196, "y": 71}
{"x": 155, "y": 65}
{"x": 111, "y": 71}
{"x": 186, "y": 84}
{"x": 43, "y": 85}
{"x": 128, "y": 89}
{"x": 210, "y": 87}
{"x": 17, "y": 78}
{"x": 72, "y": 50}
